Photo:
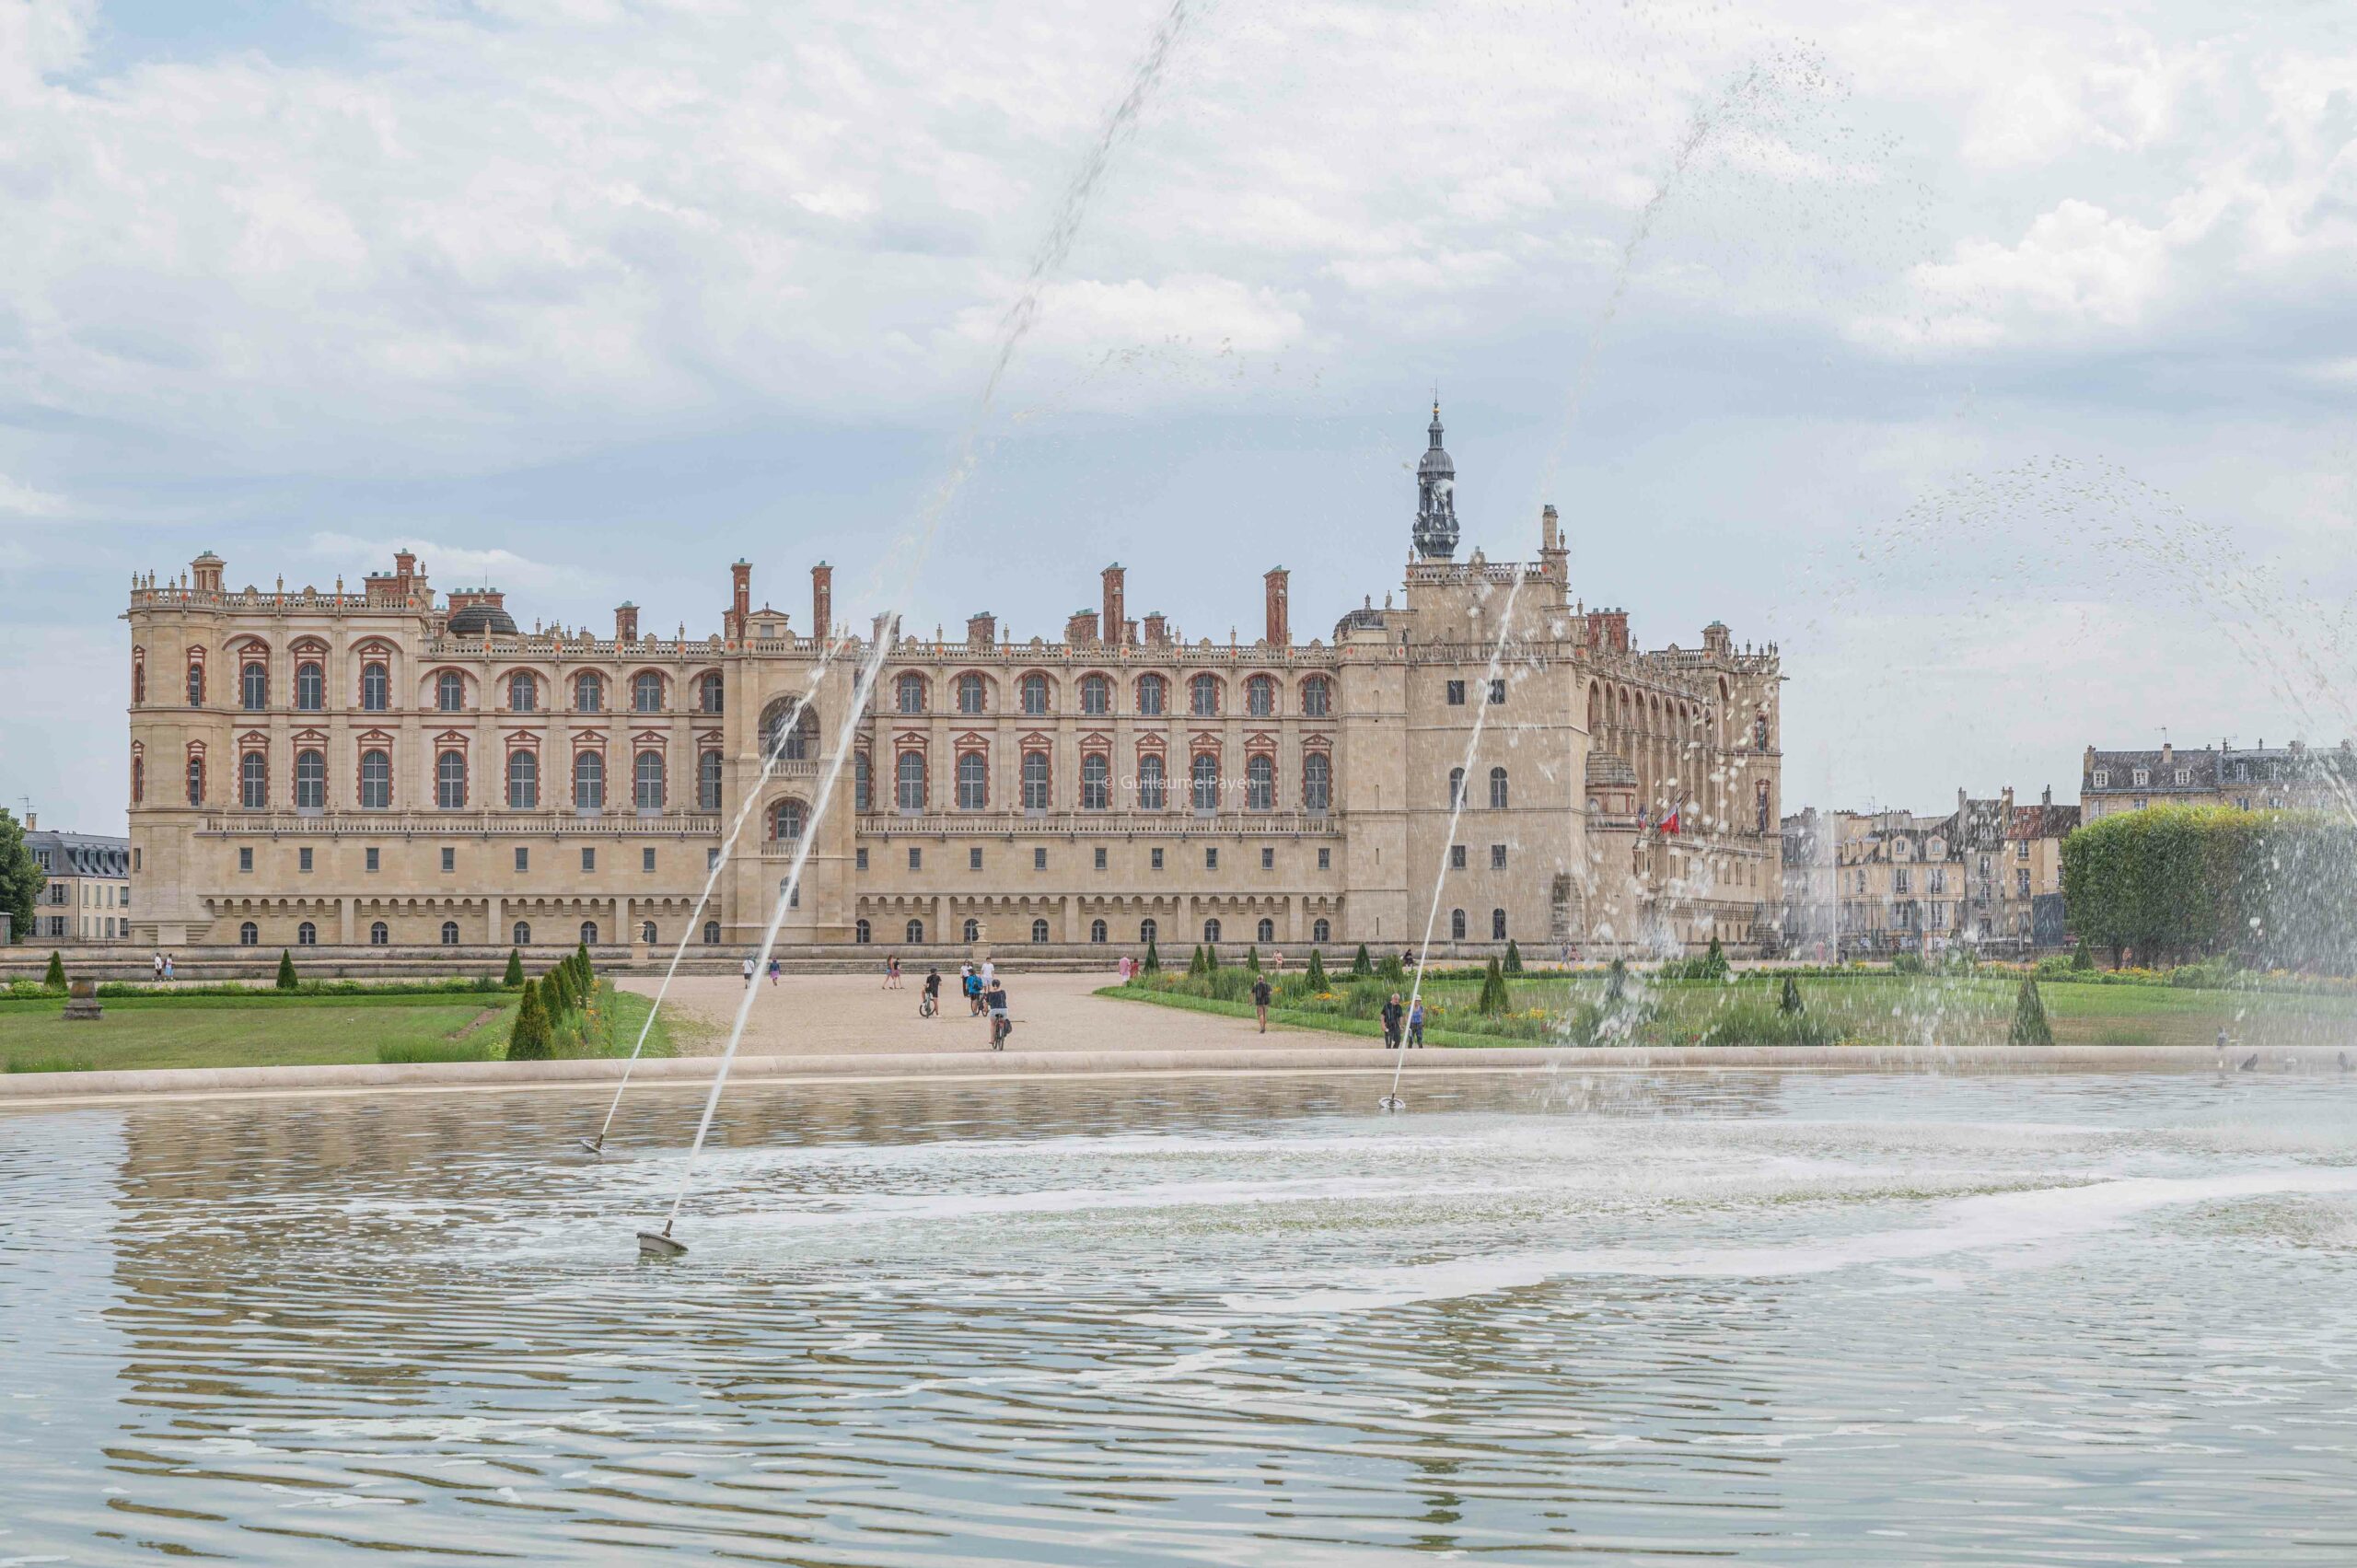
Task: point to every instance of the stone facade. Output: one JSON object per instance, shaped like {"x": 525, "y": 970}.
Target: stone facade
{"x": 86, "y": 895}
{"x": 1979, "y": 876}
{"x": 397, "y": 767}
{"x": 2247, "y": 778}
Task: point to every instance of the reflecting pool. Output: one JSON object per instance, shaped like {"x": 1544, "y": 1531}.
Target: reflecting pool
{"x": 1784, "y": 1319}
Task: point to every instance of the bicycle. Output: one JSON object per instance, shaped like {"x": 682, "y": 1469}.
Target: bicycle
{"x": 925, "y": 1008}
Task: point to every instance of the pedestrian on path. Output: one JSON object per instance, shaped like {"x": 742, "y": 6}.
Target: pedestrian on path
{"x": 1416, "y": 1025}
{"x": 1260, "y": 993}
{"x": 749, "y": 971}
{"x": 775, "y": 965}
{"x": 1393, "y": 1016}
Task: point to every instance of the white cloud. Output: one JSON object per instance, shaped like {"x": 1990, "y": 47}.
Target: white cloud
{"x": 24, "y": 501}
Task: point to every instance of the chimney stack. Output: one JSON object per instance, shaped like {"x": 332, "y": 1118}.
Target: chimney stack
{"x": 823, "y": 600}
{"x": 1278, "y": 619}
{"x": 1081, "y": 630}
{"x": 982, "y": 631}
{"x": 1114, "y": 624}
{"x": 625, "y": 622}
{"x": 1157, "y": 629}
{"x": 740, "y": 604}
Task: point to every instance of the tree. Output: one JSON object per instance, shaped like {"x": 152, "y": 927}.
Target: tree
{"x": 1317, "y": 974}
{"x": 1153, "y": 957}
{"x": 1715, "y": 962}
{"x": 530, "y": 1038}
{"x": 55, "y": 976}
{"x": 1195, "y": 963}
{"x": 1616, "y": 981}
{"x": 1210, "y": 958}
{"x": 588, "y": 970}
{"x": 514, "y": 978}
{"x": 2081, "y": 957}
{"x": 1252, "y": 958}
{"x": 1495, "y": 998}
{"x": 1391, "y": 968}
{"x": 20, "y": 878}
{"x": 555, "y": 998}
{"x": 2029, "y": 1025}
{"x": 1789, "y": 999}
{"x": 1514, "y": 958}
{"x": 1361, "y": 967}
{"x": 287, "y": 981}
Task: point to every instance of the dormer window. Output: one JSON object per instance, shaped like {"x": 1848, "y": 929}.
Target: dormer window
{"x": 2143, "y": 776}
{"x": 2185, "y": 775}
{"x": 2103, "y": 778}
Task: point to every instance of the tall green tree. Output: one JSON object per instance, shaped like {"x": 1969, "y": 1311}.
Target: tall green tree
{"x": 530, "y": 1038}
{"x": 20, "y": 878}
{"x": 1316, "y": 973}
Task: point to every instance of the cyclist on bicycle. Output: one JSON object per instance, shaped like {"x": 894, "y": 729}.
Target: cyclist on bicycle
{"x": 994, "y": 1002}
{"x": 933, "y": 992}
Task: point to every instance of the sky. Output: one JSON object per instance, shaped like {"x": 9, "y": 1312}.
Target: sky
{"x": 1992, "y": 360}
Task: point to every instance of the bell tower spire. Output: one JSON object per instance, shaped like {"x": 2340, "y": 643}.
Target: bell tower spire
{"x": 1435, "y": 531}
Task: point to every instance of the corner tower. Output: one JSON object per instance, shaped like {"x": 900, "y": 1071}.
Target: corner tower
{"x": 1436, "y": 535}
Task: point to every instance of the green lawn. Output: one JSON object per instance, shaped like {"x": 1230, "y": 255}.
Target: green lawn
{"x": 1866, "y": 1008}
{"x": 263, "y": 1031}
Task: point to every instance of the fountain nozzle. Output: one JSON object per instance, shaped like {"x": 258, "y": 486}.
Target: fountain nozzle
{"x": 658, "y": 1244}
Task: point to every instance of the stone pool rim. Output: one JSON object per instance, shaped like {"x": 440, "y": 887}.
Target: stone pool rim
{"x": 46, "y": 1090}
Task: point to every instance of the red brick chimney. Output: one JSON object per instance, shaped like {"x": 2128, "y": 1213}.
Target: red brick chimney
{"x": 1114, "y": 626}
{"x": 981, "y": 630}
{"x": 1157, "y": 629}
{"x": 1277, "y": 584}
{"x": 1081, "y": 629}
{"x": 740, "y": 602}
{"x": 823, "y": 600}
{"x": 625, "y": 622}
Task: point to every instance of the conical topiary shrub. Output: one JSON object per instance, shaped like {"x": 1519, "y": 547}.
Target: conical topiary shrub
{"x": 1494, "y": 998}
{"x": 555, "y": 1002}
{"x": 2083, "y": 957}
{"x": 2029, "y": 1025}
{"x": 514, "y": 978}
{"x": 1616, "y": 981}
{"x": 1210, "y": 958}
{"x": 287, "y": 981}
{"x": 1789, "y": 999}
{"x": 54, "y": 977}
{"x": 1252, "y": 958}
{"x": 581, "y": 954}
{"x": 1195, "y": 962}
{"x": 530, "y": 1038}
{"x": 1362, "y": 966}
{"x": 1153, "y": 957}
{"x": 1715, "y": 962}
{"x": 1514, "y": 958}
{"x": 1317, "y": 975}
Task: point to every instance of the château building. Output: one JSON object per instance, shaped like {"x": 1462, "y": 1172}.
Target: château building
{"x": 397, "y": 766}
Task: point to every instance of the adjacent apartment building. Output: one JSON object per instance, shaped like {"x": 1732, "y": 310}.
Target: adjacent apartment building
{"x": 2251, "y": 778}
{"x": 86, "y": 896}
{"x": 1988, "y": 874}
{"x": 397, "y": 766}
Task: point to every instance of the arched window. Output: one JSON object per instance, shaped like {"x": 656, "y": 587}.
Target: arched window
{"x": 248, "y": 934}
{"x": 1497, "y": 925}
{"x": 1455, "y": 789}
{"x": 1154, "y": 696}
{"x": 588, "y": 932}
{"x": 1456, "y": 925}
{"x": 646, "y": 931}
{"x": 861, "y": 934}
{"x": 647, "y": 693}
{"x": 1317, "y": 782}
{"x": 785, "y": 820}
{"x": 376, "y": 781}
{"x": 708, "y": 766}
{"x": 1497, "y": 789}
{"x": 1096, "y": 695}
{"x": 910, "y": 785}
{"x": 195, "y": 777}
{"x": 1035, "y": 693}
{"x": 589, "y": 693}
{"x": 376, "y": 687}
{"x": 523, "y": 934}
{"x": 972, "y": 693}
{"x": 973, "y": 781}
{"x": 1211, "y": 930}
{"x": 1760, "y": 731}
{"x": 523, "y": 694}
{"x": 310, "y": 780}
{"x": 1268, "y": 930}
{"x": 253, "y": 780}
{"x": 1095, "y": 781}
{"x": 862, "y": 783}
{"x": 915, "y": 931}
{"x": 1316, "y": 698}
{"x": 711, "y": 933}
{"x": 1146, "y": 931}
{"x": 450, "y": 934}
{"x": 797, "y": 741}
{"x": 379, "y": 934}
{"x": 1096, "y": 931}
{"x": 310, "y": 687}
{"x": 1206, "y": 782}
{"x": 1035, "y": 780}
{"x": 589, "y": 780}
{"x": 307, "y": 935}
{"x": 450, "y": 691}
{"x": 253, "y": 686}
{"x": 1202, "y": 696}
{"x": 1261, "y": 697}
{"x": 195, "y": 683}
{"x": 908, "y": 694}
{"x": 973, "y": 931}
{"x": 523, "y": 781}
{"x": 138, "y": 780}
{"x": 1320, "y": 931}
{"x": 450, "y": 780}
{"x": 1259, "y": 783}
{"x": 709, "y": 692}
{"x": 1039, "y": 931}
{"x": 1150, "y": 782}
{"x": 648, "y": 782}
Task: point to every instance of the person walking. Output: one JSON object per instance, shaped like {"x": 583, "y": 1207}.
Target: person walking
{"x": 1416, "y": 1025}
{"x": 1260, "y": 993}
{"x": 168, "y": 975}
{"x": 774, "y": 966}
{"x": 1393, "y": 1015}
{"x": 749, "y": 971}
{"x": 159, "y": 966}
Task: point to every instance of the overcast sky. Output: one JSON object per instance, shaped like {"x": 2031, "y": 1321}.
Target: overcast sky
{"x": 1993, "y": 359}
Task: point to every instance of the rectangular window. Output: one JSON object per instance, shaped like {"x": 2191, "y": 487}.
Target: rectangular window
{"x": 302, "y": 862}
{"x": 1497, "y": 858}
{"x": 1100, "y": 859}
{"x": 2144, "y": 777}
{"x": 859, "y": 859}
{"x": 2103, "y": 778}
{"x": 2021, "y": 849}
{"x": 647, "y": 860}
{"x": 450, "y": 860}
{"x": 1457, "y": 693}
{"x": 973, "y": 860}
{"x": 372, "y": 860}
{"x": 1456, "y": 857}
{"x": 916, "y": 859}
{"x": 588, "y": 860}
{"x": 1157, "y": 860}
{"x": 1038, "y": 860}
{"x": 1268, "y": 859}
{"x": 1210, "y": 859}
{"x": 1324, "y": 860}
{"x": 245, "y": 860}
{"x": 1497, "y": 693}
{"x": 523, "y": 860}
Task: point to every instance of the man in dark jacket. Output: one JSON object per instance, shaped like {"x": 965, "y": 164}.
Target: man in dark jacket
{"x": 1260, "y": 995}
{"x": 1393, "y": 1015}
